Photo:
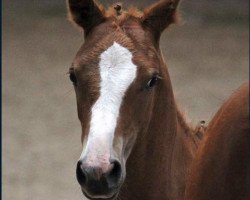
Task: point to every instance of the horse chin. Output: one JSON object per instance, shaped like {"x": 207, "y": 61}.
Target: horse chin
{"x": 103, "y": 197}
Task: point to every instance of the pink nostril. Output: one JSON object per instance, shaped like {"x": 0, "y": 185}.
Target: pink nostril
{"x": 110, "y": 167}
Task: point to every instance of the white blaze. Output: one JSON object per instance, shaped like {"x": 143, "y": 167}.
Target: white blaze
{"x": 117, "y": 72}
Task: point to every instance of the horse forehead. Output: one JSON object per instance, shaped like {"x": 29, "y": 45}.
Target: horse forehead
{"x": 117, "y": 68}
{"x": 117, "y": 72}
{"x": 115, "y": 56}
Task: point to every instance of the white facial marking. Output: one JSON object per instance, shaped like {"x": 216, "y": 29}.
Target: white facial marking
{"x": 117, "y": 72}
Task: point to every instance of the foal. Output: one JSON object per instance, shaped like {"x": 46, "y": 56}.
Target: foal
{"x": 136, "y": 144}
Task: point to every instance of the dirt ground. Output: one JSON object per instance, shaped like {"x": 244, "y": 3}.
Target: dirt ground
{"x": 207, "y": 58}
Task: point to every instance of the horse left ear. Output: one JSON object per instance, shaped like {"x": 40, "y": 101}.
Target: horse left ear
{"x": 159, "y": 16}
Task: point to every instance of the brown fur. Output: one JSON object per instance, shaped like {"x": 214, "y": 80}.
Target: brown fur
{"x": 220, "y": 169}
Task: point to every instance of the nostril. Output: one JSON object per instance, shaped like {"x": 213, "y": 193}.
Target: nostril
{"x": 114, "y": 175}
{"x": 80, "y": 174}
{"x": 116, "y": 171}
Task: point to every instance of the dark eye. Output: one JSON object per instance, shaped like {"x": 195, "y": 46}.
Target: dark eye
{"x": 72, "y": 77}
{"x": 153, "y": 81}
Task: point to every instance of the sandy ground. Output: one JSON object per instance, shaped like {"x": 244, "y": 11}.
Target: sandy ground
{"x": 207, "y": 60}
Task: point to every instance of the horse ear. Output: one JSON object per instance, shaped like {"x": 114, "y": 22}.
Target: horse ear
{"x": 86, "y": 13}
{"x": 159, "y": 16}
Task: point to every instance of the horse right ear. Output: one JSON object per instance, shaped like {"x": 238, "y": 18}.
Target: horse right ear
{"x": 85, "y": 13}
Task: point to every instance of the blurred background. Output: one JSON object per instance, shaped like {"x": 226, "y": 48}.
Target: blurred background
{"x": 207, "y": 58}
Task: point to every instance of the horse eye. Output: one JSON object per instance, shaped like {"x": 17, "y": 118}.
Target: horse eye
{"x": 72, "y": 77}
{"x": 153, "y": 81}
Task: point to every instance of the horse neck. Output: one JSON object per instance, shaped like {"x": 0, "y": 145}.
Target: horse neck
{"x": 157, "y": 166}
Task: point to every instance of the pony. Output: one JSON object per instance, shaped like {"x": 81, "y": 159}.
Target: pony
{"x": 136, "y": 142}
